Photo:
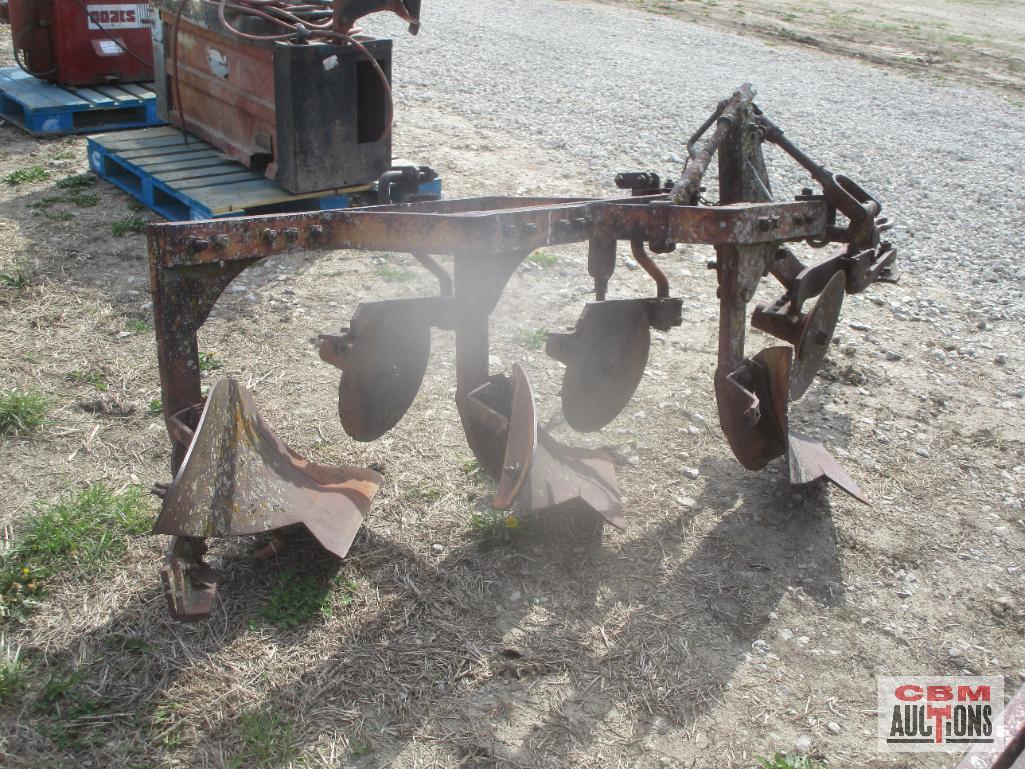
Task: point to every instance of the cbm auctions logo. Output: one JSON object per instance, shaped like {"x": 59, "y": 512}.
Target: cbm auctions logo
{"x": 949, "y": 713}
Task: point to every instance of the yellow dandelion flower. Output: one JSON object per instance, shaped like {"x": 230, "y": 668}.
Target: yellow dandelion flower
{"x": 511, "y": 522}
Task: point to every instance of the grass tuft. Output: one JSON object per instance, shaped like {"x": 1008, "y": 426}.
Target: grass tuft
{"x": 83, "y": 532}
{"x": 297, "y": 599}
{"x": 269, "y": 739}
{"x": 208, "y": 361}
{"x": 424, "y": 494}
{"x": 128, "y": 226}
{"x": 95, "y": 378}
{"x": 789, "y": 761}
{"x": 75, "y": 714}
{"x": 17, "y": 278}
{"x": 391, "y": 274}
{"x": 21, "y": 412}
{"x": 12, "y": 671}
{"x": 26, "y": 175}
{"x": 77, "y": 182}
{"x": 543, "y": 258}
{"x": 534, "y": 339}
{"x": 493, "y": 525}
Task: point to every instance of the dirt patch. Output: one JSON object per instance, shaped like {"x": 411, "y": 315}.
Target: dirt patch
{"x": 978, "y": 42}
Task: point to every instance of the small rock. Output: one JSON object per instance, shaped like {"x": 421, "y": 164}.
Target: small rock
{"x": 859, "y": 326}
{"x": 685, "y": 502}
{"x": 494, "y": 361}
{"x": 691, "y": 472}
{"x": 1000, "y": 359}
{"x": 785, "y": 634}
{"x": 803, "y": 743}
{"x": 922, "y": 451}
{"x": 437, "y": 548}
{"x": 834, "y": 727}
{"x": 890, "y": 355}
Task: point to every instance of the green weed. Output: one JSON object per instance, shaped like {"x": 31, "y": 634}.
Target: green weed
{"x": 138, "y": 326}
{"x": 209, "y": 361}
{"x": 534, "y": 339}
{"x": 790, "y": 761}
{"x": 95, "y": 378}
{"x": 156, "y": 406}
{"x": 359, "y": 746}
{"x": 495, "y": 525}
{"x": 77, "y": 182}
{"x": 427, "y": 494}
{"x": 78, "y": 534}
{"x": 390, "y": 274}
{"x": 166, "y": 726}
{"x": 60, "y": 691}
{"x": 72, "y": 710}
{"x": 12, "y": 671}
{"x": 27, "y": 175}
{"x": 268, "y": 739}
{"x": 543, "y": 258}
{"x": 17, "y": 278}
{"x": 297, "y": 599}
{"x": 85, "y": 199}
{"x": 123, "y": 227}
{"x": 21, "y": 412}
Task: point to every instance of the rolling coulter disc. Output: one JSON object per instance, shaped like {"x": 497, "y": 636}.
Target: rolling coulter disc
{"x": 817, "y": 333}
{"x": 383, "y": 358}
{"x": 605, "y": 356}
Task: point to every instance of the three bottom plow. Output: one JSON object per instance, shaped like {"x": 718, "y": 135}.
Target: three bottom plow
{"x": 233, "y": 476}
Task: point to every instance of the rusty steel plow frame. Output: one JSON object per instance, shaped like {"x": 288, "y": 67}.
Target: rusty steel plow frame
{"x": 233, "y": 476}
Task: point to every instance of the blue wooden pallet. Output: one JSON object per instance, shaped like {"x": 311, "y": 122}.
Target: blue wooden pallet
{"x": 44, "y": 109}
{"x": 183, "y": 181}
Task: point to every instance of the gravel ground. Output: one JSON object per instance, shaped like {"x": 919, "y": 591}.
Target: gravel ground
{"x": 734, "y": 617}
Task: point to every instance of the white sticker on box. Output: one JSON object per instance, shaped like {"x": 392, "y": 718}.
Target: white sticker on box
{"x": 109, "y": 48}
{"x": 119, "y": 16}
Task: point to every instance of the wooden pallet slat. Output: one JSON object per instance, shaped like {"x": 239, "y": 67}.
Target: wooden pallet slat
{"x": 138, "y": 91}
{"x": 93, "y": 97}
{"x": 44, "y": 109}
{"x": 195, "y": 180}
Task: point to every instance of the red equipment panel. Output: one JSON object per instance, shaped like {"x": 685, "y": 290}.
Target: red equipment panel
{"x": 82, "y": 42}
